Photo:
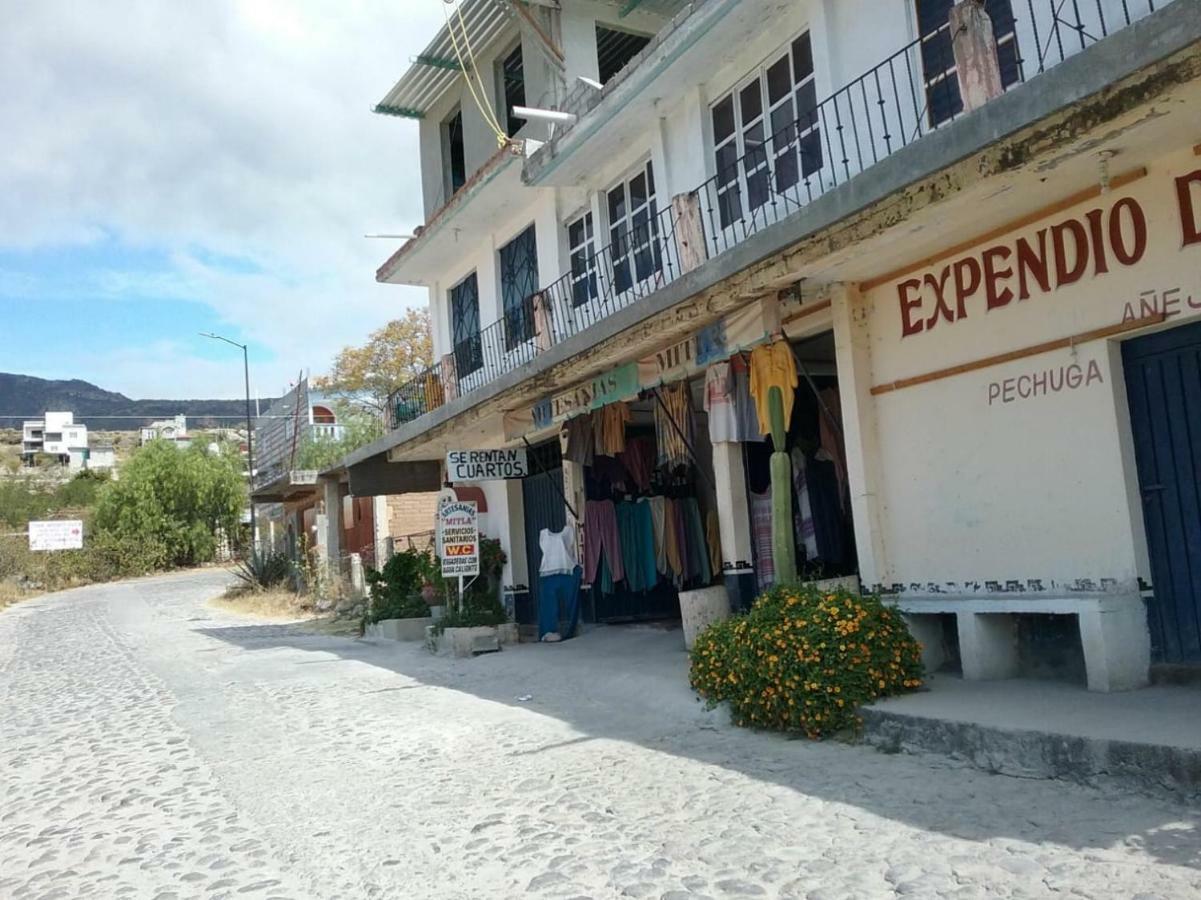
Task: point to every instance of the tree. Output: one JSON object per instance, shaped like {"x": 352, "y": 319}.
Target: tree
{"x": 175, "y": 502}
{"x": 365, "y": 376}
{"x": 359, "y": 428}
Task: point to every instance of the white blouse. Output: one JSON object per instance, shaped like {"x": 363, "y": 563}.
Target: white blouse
{"x": 558, "y": 551}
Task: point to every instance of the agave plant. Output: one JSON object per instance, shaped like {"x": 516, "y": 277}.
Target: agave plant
{"x": 264, "y": 570}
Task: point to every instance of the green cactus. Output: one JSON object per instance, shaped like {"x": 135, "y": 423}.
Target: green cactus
{"x": 783, "y": 547}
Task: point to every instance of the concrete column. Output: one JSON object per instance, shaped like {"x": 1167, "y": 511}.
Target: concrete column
{"x": 734, "y": 524}
{"x": 1117, "y": 646}
{"x": 975, "y": 50}
{"x": 333, "y": 523}
{"x": 513, "y": 536}
{"x": 988, "y": 645}
{"x": 852, "y": 350}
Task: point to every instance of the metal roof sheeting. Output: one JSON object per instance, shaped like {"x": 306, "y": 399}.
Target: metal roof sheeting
{"x": 422, "y": 85}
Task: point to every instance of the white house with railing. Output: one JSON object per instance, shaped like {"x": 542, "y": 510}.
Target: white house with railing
{"x": 57, "y": 435}
{"x": 621, "y": 195}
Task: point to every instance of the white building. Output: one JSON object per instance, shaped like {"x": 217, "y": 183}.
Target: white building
{"x": 102, "y": 457}
{"x": 57, "y": 435}
{"x": 970, "y": 235}
{"x": 173, "y": 429}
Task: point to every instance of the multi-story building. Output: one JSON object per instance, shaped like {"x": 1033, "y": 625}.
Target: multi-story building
{"x": 56, "y": 434}
{"x": 174, "y": 429}
{"x": 966, "y": 237}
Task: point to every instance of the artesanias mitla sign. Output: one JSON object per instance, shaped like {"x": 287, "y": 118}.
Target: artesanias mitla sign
{"x": 486, "y": 465}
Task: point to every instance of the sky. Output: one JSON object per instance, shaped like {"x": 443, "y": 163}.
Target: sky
{"x": 168, "y": 168}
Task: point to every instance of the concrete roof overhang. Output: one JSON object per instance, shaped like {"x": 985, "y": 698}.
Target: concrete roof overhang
{"x": 469, "y": 216}
{"x": 288, "y": 487}
{"x": 1136, "y": 93}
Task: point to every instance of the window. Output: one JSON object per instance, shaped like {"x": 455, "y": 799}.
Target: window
{"x": 765, "y": 134}
{"x": 512, "y": 82}
{"x": 583, "y": 260}
{"x": 634, "y": 230}
{"x": 943, "y": 101}
{"x": 615, "y": 48}
{"x": 518, "y": 284}
{"x": 454, "y": 157}
{"x": 465, "y": 326}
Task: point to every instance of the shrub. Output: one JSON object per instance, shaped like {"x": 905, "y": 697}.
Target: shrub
{"x": 481, "y": 601}
{"x": 804, "y": 661}
{"x": 263, "y": 571}
{"x": 396, "y": 588}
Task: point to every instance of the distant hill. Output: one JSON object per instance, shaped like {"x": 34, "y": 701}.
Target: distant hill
{"x": 24, "y": 396}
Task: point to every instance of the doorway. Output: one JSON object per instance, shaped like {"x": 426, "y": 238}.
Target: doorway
{"x": 1163, "y": 384}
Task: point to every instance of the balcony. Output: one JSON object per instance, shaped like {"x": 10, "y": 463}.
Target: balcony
{"x": 890, "y": 107}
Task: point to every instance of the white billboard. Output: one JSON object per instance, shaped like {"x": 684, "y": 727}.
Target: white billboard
{"x": 60, "y": 534}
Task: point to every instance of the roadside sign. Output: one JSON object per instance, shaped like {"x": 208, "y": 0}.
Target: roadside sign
{"x": 486, "y": 465}
{"x": 60, "y": 534}
{"x": 459, "y": 539}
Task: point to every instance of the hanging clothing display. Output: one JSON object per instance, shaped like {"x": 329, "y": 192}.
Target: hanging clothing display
{"x": 559, "y": 604}
{"x": 558, "y": 551}
{"x": 830, "y": 431}
{"x": 772, "y": 365}
{"x": 713, "y": 539}
{"x": 828, "y": 521}
{"x": 744, "y": 405}
{"x": 658, "y": 517}
{"x": 636, "y": 533}
{"x": 802, "y": 511}
{"x": 600, "y": 537}
{"x": 719, "y": 403}
{"x": 671, "y": 538}
{"x": 673, "y": 424}
{"x": 578, "y": 436}
{"x": 609, "y": 428}
{"x": 698, "y": 550}
{"x": 638, "y": 458}
{"x": 765, "y": 569}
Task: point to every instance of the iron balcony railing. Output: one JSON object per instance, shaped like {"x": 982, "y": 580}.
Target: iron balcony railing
{"x": 911, "y": 93}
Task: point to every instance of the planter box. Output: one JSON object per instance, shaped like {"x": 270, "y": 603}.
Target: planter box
{"x": 467, "y": 642}
{"x": 849, "y": 583}
{"x": 399, "y": 629}
{"x": 701, "y": 608}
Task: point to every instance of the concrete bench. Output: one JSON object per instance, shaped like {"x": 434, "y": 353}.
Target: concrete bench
{"x": 1113, "y": 633}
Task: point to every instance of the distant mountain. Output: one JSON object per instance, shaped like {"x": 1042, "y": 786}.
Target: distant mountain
{"x": 23, "y": 396}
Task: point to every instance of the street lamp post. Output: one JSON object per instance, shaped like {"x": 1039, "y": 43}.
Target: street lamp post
{"x": 254, "y": 525}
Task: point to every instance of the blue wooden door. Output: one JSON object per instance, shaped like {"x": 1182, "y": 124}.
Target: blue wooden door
{"x": 1163, "y": 382}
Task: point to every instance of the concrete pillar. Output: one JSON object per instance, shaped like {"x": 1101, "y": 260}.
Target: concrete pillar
{"x": 690, "y": 233}
{"x": 517, "y": 569}
{"x": 734, "y": 524}
{"x": 975, "y": 50}
{"x": 333, "y": 523}
{"x": 988, "y": 645}
{"x": 852, "y": 349}
{"x": 1117, "y": 646}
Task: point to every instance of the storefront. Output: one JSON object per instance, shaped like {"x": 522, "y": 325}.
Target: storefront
{"x": 1027, "y": 448}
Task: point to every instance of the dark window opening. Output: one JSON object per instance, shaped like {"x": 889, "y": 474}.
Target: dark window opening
{"x": 513, "y": 75}
{"x": 943, "y": 101}
{"x": 583, "y": 260}
{"x": 465, "y": 326}
{"x": 518, "y": 284}
{"x": 616, "y": 48}
{"x": 456, "y": 154}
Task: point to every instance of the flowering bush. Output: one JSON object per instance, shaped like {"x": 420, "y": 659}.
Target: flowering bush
{"x": 803, "y": 660}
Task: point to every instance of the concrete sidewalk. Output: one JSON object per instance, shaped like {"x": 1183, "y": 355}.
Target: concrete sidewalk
{"x": 1147, "y": 740}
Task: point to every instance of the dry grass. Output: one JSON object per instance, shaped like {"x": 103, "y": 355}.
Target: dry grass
{"x": 276, "y": 603}
{"x": 10, "y": 594}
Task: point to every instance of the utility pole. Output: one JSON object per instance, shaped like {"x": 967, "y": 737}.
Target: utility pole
{"x": 254, "y": 525}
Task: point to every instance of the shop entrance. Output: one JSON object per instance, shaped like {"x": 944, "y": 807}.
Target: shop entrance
{"x": 542, "y": 501}
{"x": 1163, "y": 383}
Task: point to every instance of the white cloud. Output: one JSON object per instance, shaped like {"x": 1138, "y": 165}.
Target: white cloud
{"x": 207, "y": 130}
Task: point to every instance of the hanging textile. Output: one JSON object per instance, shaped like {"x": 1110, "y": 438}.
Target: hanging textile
{"x": 719, "y": 403}
{"x": 744, "y": 405}
{"x": 579, "y": 439}
{"x": 558, "y": 551}
{"x": 828, "y": 521}
{"x": 673, "y": 416}
{"x": 713, "y": 539}
{"x": 648, "y": 571}
{"x": 639, "y": 461}
{"x": 559, "y": 602}
{"x": 678, "y": 523}
{"x": 765, "y": 569}
{"x": 802, "y": 512}
{"x": 600, "y": 536}
{"x": 698, "y": 549}
{"x": 671, "y": 540}
{"x": 772, "y": 365}
{"x": 609, "y": 428}
{"x": 658, "y": 512}
{"x": 829, "y": 434}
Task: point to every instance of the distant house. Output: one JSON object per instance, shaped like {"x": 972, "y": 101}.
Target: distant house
{"x": 55, "y": 434}
{"x": 102, "y": 457}
{"x": 174, "y": 429}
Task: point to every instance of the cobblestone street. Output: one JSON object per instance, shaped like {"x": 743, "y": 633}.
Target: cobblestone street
{"x": 151, "y": 746}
